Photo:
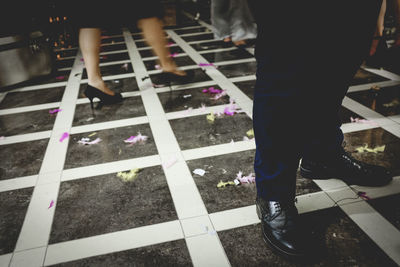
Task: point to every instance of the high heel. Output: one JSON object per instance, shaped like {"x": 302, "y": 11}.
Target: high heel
{"x": 105, "y": 99}
{"x": 169, "y": 78}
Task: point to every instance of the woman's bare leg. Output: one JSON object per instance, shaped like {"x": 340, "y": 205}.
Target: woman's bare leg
{"x": 89, "y": 43}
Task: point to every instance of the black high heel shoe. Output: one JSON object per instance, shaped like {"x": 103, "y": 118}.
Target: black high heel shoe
{"x": 105, "y": 99}
{"x": 169, "y": 78}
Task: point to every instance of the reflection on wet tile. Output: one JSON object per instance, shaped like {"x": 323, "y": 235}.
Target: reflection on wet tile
{"x": 214, "y": 44}
{"x": 190, "y": 98}
{"x": 174, "y": 253}
{"x": 247, "y": 87}
{"x": 114, "y": 57}
{"x": 205, "y": 36}
{"x": 14, "y": 205}
{"x": 345, "y": 115}
{"x": 227, "y": 55}
{"x": 116, "y": 47}
{"x": 131, "y": 107}
{"x": 110, "y": 70}
{"x": 36, "y": 97}
{"x": 390, "y": 158}
{"x": 21, "y": 159}
{"x": 341, "y": 243}
{"x": 236, "y": 70}
{"x": 180, "y": 61}
{"x": 388, "y": 207}
{"x": 385, "y": 100}
{"x": 117, "y": 85}
{"x": 111, "y": 147}
{"x": 26, "y": 122}
{"x": 108, "y": 203}
{"x": 199, "y": 76}
{"x": 362, "y": 77}
{"x": 149, "y": 52}
{"x": 197, "y": 131}
{"x": 192, "y": 30}
{"x": 112, "y": 40}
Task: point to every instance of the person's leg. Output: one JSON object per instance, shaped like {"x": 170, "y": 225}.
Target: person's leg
{"x": 220, "y": 16}
{"x": 242, "y": 24}
{"x": 89, "y": 43}
{"x": 154, "y": 35}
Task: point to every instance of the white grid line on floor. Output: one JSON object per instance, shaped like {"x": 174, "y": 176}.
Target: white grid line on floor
{"x": 384, "y": 73}
{"x": 36, "y": 227}
{"x": 39, "y": 86}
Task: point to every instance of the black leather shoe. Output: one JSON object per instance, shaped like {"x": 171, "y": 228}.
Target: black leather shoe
{"x": 346, "y": 168}
{"x": 105, "y": 99}
{"x": 280, "y": 228}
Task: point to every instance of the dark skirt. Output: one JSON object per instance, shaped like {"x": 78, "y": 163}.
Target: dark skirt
{"x": 110, "y": 14}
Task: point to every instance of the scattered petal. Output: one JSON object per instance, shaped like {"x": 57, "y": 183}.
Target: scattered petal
{"x": 90, "y": 119}
{"x": 128, "y": 176}
{"x": 224, "y": 184}
{"x": 250, "y": 133}
{"x": 210, "y": 117}
{"x": 86, "y": 141}
{"x": 51, "y": 204}
{"x": 64, "y": 136}
{"x": 136, "y": 139}
{"x": 2, "y": 137}
{"x": 207, "y": 65}
{"x": 60, "y": 78}
{"x": 203, "y": 107}
{"x": 200, "y": 172}
{"x": 187, "y": 96}
{"x": 52, "y": 111}
{"x": 375, "y": 150}
{"x": 173, "y": 54}
{"x": 90, "y": 135}
{"x": 125, "y": 66}
{"x": 157, "y": 67}
{"x": 394, "y": 103}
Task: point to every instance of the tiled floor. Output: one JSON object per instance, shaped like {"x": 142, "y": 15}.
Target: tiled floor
{"x": 113, "y": 203}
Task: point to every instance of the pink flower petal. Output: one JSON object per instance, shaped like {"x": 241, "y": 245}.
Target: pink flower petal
{"x": 51, "y": 204}
{"x": 64, "y": 136}
{"x": 52, "y": 111}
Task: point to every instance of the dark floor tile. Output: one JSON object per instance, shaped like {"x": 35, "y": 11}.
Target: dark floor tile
{"x": 214, "y": 44}
{"x": 362, "y": 77}
{"x": 341, "y": 243}
{"x": 26, "y": 122}
{"x": 114, "y": 57}
{"x": 388, "y": 207}
{"x": 110, "y": 70}
{"x": 129, "y": 108}
{"x": 189, "y": 98}
{"x": 385, "y": 101}
{"x": 247, "y": 87}
{"x": 111, "y": 31}
{"x": 21, "y": 159}
{"x": 117, "y": 85}
{"x": 197, "y": 131}
{"x": 192, "y": 30}
{"x": 240, "y": 69}
{"x": 141, "y": 43}
{"x": 390, "y": 158}
{"x": 35, "y": 97}
{"x": 64, "y": 63}
{"x": 199, "y": 76}
{"x": 111, "y": 148}
{"x": 14, "y": 205}
{"x": 66, "y": 53}
{"x": 107, "y": 203}
{"x": 225, "y": 168}
{"x": 149, "y": 52}
{"x": 200, "y": 37}
{"x": 174, "y": 253}
{"x": 227, "y": 55}
{"x": 345, "y": 115}
{"x": 57, "y": 76}
{"x": 112, "y": 40}
{"x": 180, "y": 61}
{"x": 116, "y": 47}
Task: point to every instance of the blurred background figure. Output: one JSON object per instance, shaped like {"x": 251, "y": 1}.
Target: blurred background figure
{"x": 232, "y": 21}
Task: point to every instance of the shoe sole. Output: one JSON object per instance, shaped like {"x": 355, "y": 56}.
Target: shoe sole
{"x": 271, "y": 244}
